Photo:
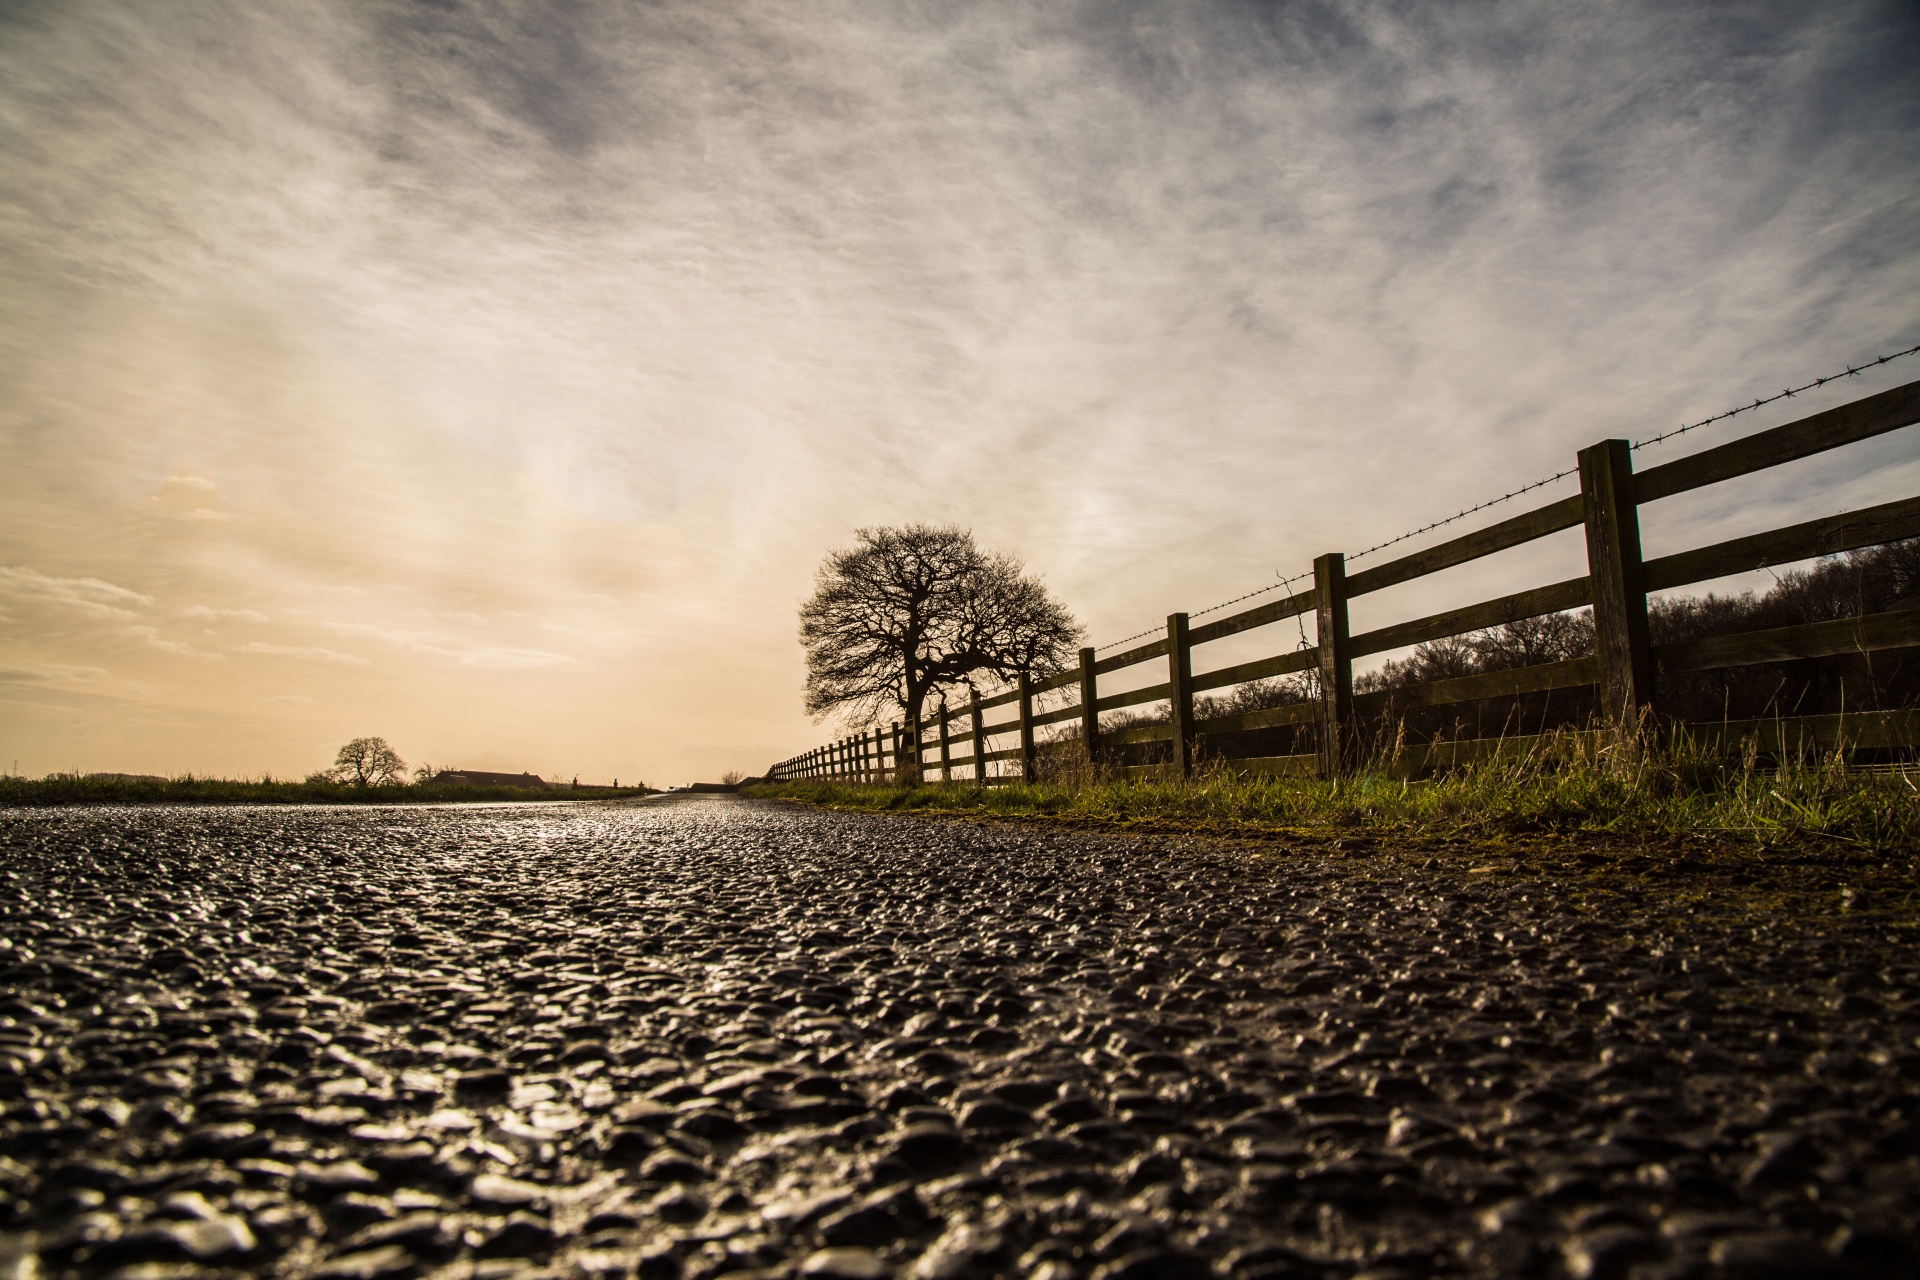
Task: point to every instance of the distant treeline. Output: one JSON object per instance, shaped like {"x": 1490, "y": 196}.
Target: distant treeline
{"x": 95, "y": 789}
{"x": 1874, "y": 580}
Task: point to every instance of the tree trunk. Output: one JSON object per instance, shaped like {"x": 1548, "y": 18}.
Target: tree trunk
{"x": 916, "y": 698}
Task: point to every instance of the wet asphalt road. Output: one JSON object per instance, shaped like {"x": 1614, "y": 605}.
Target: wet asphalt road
{"x": 698, "y": 1036}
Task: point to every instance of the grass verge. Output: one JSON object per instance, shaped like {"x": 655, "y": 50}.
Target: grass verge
{"x": 61, "y": 789}
{"x": 1672, "y": 833}
{"x": 1659, "y": 793}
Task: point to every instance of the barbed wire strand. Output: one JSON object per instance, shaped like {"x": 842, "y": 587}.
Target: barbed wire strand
{"x": 1852, "y": 371}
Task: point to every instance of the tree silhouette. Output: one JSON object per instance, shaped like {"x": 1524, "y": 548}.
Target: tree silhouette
{"x": 905, "y": 611}
{"x": 369, "y": 762}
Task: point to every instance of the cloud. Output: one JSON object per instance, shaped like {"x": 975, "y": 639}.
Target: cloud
{"x": 151, "y": 637}
{"x": 84, "y": 595}
{"x": 186, "y": 496}
{"x": 212, "y": 614}
{"x": 305, "y": 653}
{"x": 54, "y": 675}
{"x": 440, "y": 645}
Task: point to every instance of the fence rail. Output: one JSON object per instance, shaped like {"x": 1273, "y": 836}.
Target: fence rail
{"x": 1624, "y": 667}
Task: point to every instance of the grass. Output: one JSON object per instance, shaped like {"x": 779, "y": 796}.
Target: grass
{"x": 58, "y": 789}
{"x": 1680, "y": 789}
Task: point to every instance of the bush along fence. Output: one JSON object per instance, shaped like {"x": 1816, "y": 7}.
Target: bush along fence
{"x": 1326, "y": 726}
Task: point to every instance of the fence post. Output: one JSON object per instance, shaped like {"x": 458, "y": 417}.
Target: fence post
{"x": 979, "y": 740}
{"x": 1025, "y": 686}
{"x": 1089, "y": 707}
{"x": 1336, "y": 662}
{"x": 946, "y": 750}
{"x": 1180, "y": 692}
{"x": 1621, "y": 639}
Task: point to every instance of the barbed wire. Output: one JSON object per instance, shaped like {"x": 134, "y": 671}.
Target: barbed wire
{"x": 1491, "y": 502}
{"x": 1212, "y": 608}
{"x": 1852, "y": 371}
{"x": 1788, "y": 394}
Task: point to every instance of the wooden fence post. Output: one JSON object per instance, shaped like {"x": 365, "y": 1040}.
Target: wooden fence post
{"x": 1089, "y": 707}
{"x": 1621, "y": 638}
{"x": 1336, "y": 662}
{"x": 1027, "y": 762}
{"x": 1180, "y": 692}
{"x": 946, "y": 750}
{"x": 979, "y": 740}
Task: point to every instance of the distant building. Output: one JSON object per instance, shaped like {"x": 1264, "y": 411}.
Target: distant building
{"x": 481, "y": 778}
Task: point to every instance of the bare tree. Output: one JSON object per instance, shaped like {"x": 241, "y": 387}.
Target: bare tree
{"x": 906, "y": 611}
{"x": 369, "y": 762}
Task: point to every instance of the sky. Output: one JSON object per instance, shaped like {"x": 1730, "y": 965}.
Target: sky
{"x": 492, "y": 377}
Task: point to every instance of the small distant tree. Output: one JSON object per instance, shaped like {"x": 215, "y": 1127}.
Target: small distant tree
{"x": 369, "y": 762}
{"x": 732, "y": 778}
{"x": 906, "y": 611}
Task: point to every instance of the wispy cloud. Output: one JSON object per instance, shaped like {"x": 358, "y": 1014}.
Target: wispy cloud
{"x": 440, "y": 645}
{"x": 150, "y": 636}
{"x": 303, "y": 652}
{"x": 83, "y": 595}
{"x": 215, "y": 615}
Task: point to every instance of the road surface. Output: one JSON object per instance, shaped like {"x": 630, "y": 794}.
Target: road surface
{"x": 704, "y": 1035}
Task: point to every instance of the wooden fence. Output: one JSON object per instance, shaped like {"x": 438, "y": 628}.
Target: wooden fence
{"x": 1624, "y": 669}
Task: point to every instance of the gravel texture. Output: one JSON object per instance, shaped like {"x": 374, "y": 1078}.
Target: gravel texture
{"x": 700, "y": 1036}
